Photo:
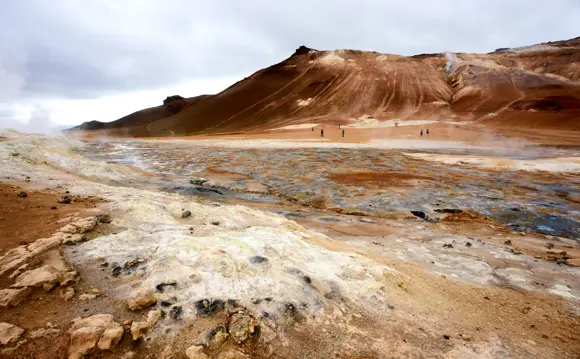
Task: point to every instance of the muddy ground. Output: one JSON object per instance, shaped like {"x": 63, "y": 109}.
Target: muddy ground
{"x": 485, "y": 268}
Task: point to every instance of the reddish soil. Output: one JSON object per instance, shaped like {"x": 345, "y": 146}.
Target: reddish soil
{"x": 23, "y": 220}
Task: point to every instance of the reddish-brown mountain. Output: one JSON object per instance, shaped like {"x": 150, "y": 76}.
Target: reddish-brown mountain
{"x": 534, "y": 86}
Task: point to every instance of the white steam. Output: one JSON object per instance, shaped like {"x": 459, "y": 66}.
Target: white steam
{"x": 39, "y": 121}
{"x": 451, "y": 62}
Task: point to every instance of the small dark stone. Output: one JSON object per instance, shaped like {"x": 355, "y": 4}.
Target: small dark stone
{"x": 67, "y": 192}
{"x": 515, "y": 209}
{"x": 117, "y": 271}
{"x": 70, "y": 243}
{"x": 257, "y": 301}
{"x": 446, "y": 336}
{"x": 175, "y": 312}
{"x": 206, "y": 307}
{"x": 307, "y": 279}
{"x": 215, "y": 223}
{"x": 185, "y": 213}
{"x": 64, "y": 200}
{"x": 104, "y": 218}
{"x": 448, "y": 245}
{"x": 487, "y": 298}
{"x": 508, "y": 242}
{"x": 468, "y": 244}
{"x": 22, "y": 194}
{"x": 161, "y": 286}
{"x": 165, "y": 303}
{"x": 545, "y": 336}
{"x": 53, "y": 207}
{"x": 258, "y": 259}
{"x": 419, "y": 214}
{"x": 105, "y": 265}
{"x": 268, "y": 299}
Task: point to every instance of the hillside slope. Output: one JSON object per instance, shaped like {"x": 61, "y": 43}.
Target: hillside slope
{"x": 536, "y": 86}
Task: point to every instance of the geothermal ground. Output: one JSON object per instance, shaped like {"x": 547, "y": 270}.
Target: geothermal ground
{"x": 381, "y": 244}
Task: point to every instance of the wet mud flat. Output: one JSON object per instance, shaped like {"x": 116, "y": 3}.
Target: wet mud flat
{"x": 369, "y": 182}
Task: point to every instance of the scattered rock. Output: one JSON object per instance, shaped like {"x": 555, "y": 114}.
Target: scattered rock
{"x": 68, "y": 293}
{"x": 46, "y": 277}
{"x": 185, "y": 213}
{"x": 22, "y": 194}
{"x": 9, "y": 333}
{"x": 446, "y": 336}
{"x": 43, "y": 332}
{"x": 468, "y": 244}
{"x": 140, "y": 299}
{"x": 378, "y": 243}
{"x": 215, "y": 223}
{"x": 508, "y": 242}
{"x": 420, "y": 214}
{"x": 134, "y": 263}
{"x": 175, "y": 312}
{"x": 258, "y": 259}
{"x": 138, "y": 329}
{"x": 448, "y": 245}
{"x": 198, "y": 181}
{"x": 13, "y": 297}
{"x": 104, "y": 218}
{"x": 87, "y": 332}
{"x": 195, "y": 352}
{"x": 168, "y": 283}
{"x": 64, "y": 200}
{"x": 549, "y": 245}
{"x": 242, "y": 327}
{"x": 212, "y": 338}
{"x": 82, "y": 226}
{"x": 206, "y": 307}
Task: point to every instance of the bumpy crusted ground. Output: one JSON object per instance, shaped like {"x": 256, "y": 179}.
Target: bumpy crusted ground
{"x": 190, "y": 272}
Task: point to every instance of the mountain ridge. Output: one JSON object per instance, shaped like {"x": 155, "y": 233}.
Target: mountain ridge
{"x": 537, "y": 86}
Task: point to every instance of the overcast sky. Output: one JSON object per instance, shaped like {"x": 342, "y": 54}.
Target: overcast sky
{"x": 74, "y": 61}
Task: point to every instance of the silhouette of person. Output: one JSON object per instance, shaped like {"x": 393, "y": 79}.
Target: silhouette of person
{"x": 322, "y": 132}
{"x": 343, "y": 133}
{"x": 421, "y": 133}
{"x": 427, "y": 132}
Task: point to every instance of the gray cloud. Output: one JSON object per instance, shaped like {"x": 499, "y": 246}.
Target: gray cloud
{"x": 88, "y": 49}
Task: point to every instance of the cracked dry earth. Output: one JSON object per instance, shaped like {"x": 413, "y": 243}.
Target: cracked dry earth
{"x": 173, "y": 250}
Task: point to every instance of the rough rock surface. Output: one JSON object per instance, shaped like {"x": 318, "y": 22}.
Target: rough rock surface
{"x": 242, "y": 327}
{"x": 140, "y": 299}
{"x": 82, "y": 226}
{"x": 13, "y": 297}
{"x": 19, "y": 256}
{"x": 46, "y": 277}
{"x": 195, "y": 352}
{"x": 9, "y": 333}
{"x": 212, "y": 338}
{"x": 87, "y": 332}
{"x": 138, "y": 329}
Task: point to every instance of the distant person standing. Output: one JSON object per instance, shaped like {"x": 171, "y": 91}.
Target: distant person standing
{"x": 427, "y": 132}
{"x": 312, "y": 129}
{"x": 421, "y": 134}
{"x": 343, "y": 132}
{"x": 322, "y": 132}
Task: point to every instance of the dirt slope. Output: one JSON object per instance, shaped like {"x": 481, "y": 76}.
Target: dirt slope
{"x": 535, "y": 86}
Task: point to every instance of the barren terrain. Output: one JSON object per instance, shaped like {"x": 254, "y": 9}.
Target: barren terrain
{"x": 283, "y": 244}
